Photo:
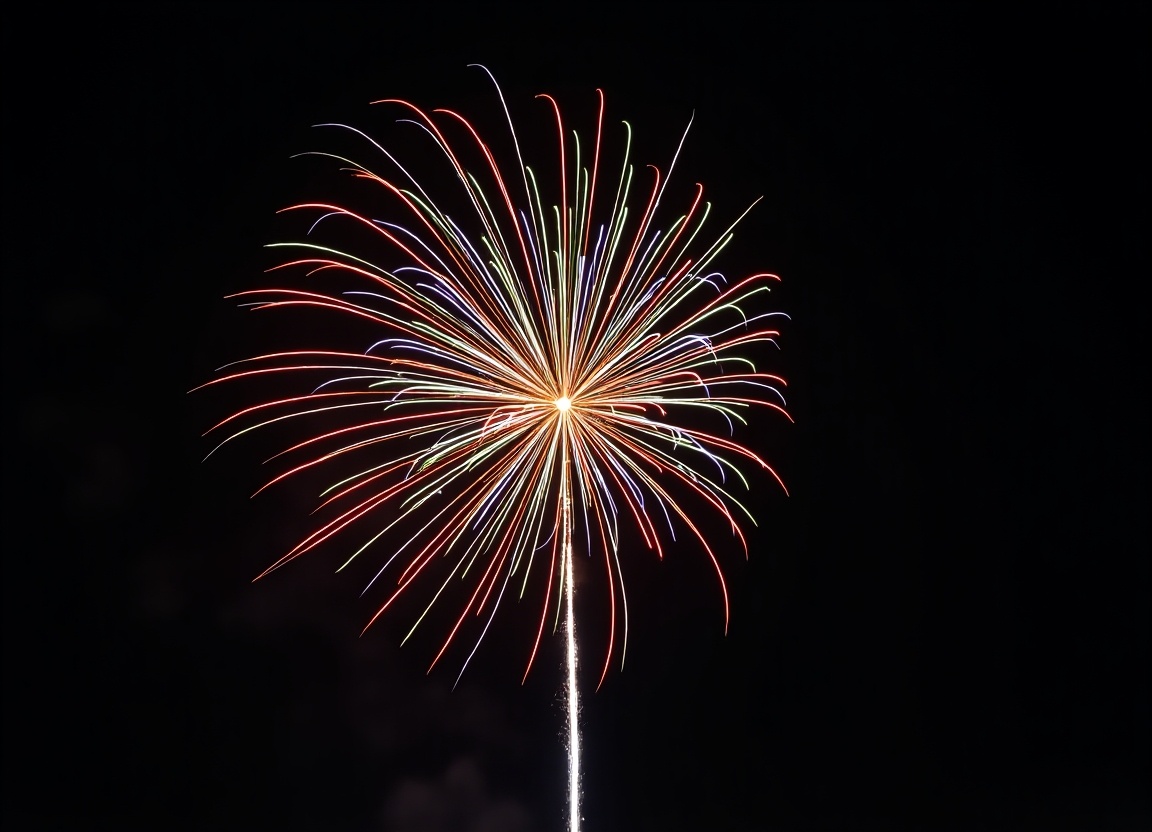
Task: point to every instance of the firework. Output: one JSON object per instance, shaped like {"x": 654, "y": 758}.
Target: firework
{"x": 553, "y": 366}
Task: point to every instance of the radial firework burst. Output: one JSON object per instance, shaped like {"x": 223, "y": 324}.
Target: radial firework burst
{"x": 535, "y": 378}
{"x": 537, "y": 381}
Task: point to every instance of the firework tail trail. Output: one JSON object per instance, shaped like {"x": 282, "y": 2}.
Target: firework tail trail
{"x": 573, "y": 694}
{"x": 573, "y": 704}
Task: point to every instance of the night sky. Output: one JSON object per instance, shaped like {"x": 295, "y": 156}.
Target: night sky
{"x": 944, "y": 627}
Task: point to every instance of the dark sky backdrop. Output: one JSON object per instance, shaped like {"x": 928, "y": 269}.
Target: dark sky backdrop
{"x": 944, "y": 628}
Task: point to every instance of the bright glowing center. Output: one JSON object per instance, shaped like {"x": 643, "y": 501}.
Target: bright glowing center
{"x": 563, "y": 403}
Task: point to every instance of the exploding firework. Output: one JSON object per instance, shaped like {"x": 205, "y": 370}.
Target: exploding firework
{"x": 539, "y": 383}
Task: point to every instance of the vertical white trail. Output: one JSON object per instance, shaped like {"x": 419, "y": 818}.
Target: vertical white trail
{"x": 573, "y": 697}
{"x": 563, "y": 405}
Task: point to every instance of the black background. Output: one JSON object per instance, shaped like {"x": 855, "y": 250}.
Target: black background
{"x": 944, "y": 627}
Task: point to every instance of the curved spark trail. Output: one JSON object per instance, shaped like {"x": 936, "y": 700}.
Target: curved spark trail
{"x": 537, "y": 376}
